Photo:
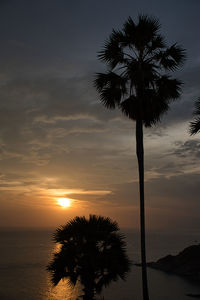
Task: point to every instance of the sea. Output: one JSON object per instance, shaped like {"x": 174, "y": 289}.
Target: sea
{"x": 24, "y": 255}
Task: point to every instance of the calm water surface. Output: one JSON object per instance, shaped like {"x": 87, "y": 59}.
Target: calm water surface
{"x": 24, "y": 255}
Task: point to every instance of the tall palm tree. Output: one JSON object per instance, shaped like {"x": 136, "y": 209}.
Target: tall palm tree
{"x": 195, "y": 125}
{"x": 136, "y": 82}
{"x": 92, "y": 252}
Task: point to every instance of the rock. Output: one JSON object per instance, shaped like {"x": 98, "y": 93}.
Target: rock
{"x": 186, "y": 263}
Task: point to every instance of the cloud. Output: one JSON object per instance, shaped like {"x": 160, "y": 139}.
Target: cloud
{"x": 190, "y": 148}
{"x": 178, "y": 192}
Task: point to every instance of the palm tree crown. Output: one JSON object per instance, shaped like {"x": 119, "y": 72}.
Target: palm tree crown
{"x": 137, "y": 58}
{"x": 92, "y": 251}
{"x": 195, "y": 125}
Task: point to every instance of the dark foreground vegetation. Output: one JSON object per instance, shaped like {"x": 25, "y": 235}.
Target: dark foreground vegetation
{"x": 92, "y": 253}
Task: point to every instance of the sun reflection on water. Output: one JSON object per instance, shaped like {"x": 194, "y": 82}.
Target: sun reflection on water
{"x": 63, "y": 291}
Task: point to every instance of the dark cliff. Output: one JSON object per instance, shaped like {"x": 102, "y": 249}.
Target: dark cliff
{"x": 186, "y": 263}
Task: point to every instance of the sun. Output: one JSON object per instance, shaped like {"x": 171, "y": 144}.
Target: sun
{"x": 64, "y": 202}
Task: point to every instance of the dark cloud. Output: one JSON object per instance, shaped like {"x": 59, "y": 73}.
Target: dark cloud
{"x": 180, "y": 191}
{"x": 190, "y": 148}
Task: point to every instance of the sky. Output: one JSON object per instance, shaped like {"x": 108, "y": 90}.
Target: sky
{"x": 58, "y": 141}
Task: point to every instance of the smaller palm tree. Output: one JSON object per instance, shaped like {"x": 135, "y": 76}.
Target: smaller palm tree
{"x": 92, "y": 252}
{"x": 195, "y": 125}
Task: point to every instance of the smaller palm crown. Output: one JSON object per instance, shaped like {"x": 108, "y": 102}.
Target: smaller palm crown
{"x": 136, "y": 79}
{"x": 92, "y": 251}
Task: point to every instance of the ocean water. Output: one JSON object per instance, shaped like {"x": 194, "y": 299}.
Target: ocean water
{"x": 24, "y": 255}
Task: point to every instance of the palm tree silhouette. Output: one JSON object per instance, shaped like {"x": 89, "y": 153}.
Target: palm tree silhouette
{"x": 92, "y": 252}
{"x": 137, "y": 59}
{"x": 195, "y": 125}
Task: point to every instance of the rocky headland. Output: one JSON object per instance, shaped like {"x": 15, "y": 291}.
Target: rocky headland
{"x": 186, "y": 263}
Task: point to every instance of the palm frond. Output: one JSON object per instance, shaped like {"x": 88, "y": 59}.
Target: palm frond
{"x": 57, "y": 269}
{"x": 109, "y": 79}
{"x": 117, "y": 36}
{"x": 195, "y": 125}
{"x": 129, "y": 33}
{"x": 149, "y": 109}
{"x": 146, "y": 31}
{"x": 168, "y": 88}
{"x": 197, "y": 107}
{"x": 130, "y": 107}
{"x": 112, "y": 52}
{"x": 150, "y": 22}
{"x": 172, "y": 58}
{"x": 112, "y": 88}
{"x": 153, "y": 108}
{"x": 157, "y": 42}
{"x": 110, "y": 97}
{"x": 147, "y": 27}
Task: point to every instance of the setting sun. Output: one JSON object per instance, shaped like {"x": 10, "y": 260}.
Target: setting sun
{"x": 64, "y": 202}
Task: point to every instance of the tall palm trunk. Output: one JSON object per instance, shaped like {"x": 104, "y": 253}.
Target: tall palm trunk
{"x": 140, "y": 157}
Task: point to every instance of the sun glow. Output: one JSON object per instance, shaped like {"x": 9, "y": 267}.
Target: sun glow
{"x": 64, "y": 202}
